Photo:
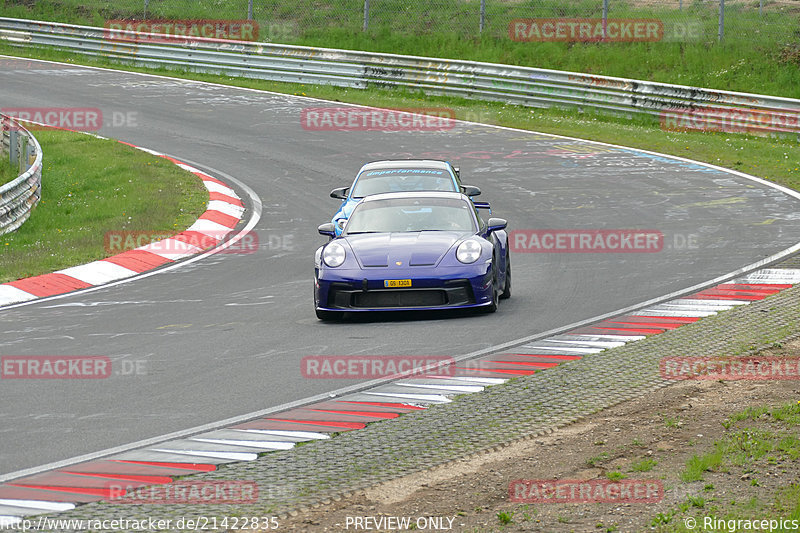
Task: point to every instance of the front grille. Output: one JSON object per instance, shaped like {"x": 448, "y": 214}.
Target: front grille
{"x": 454, "y": 293}
{"x": 408, "y": 298}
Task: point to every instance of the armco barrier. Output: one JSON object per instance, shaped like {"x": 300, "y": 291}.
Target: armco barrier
{"x": 19, "y": 196}
{"x": 677, "y": 106}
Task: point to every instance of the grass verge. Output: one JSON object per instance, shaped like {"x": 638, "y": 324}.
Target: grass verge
{"x": 8, "y": 171}
{"x": 758, "y": 445}
{"x": 90, "y": 187}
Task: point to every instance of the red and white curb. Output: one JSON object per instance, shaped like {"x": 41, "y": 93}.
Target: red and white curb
{"x": 93, "y": 480}
{"x": 223, "y": 213}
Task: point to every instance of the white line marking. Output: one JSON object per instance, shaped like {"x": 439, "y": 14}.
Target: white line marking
{"x": 712, "y": 302}
{"x": 226, "y": 208}
{"x": 216, "y": 187}
{"x": 38, "y": 504}
{"x": 677, "y": 314}
{"x": 187, "y": 167}
{"x": 305, "y": 435}
{"x": 447, "y": 388}
{"x": 465, "y": 379}
{"x": 234, "y": 456}
{"x": 265, "y": 444}
{"x": 98, "y": 272}
{"x": 590, "y": 344}
{"x": 626, "y": 338}
{"x": 11, "y": 295}
{"x": 419, "y": 397}
{"x": 586, "y": 351}
{"x": 210, "y": 228}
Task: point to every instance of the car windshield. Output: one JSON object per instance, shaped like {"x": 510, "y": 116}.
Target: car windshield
{"x": 411, "y": 214}
{"x": 378, "y": 181}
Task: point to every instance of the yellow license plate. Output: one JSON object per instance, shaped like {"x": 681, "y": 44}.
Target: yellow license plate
{"x": 394, "y": 283}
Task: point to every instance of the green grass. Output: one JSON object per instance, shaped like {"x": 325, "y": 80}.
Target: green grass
{"x": 698, "y": 465}
{"x": 615, "y": 476}
{"x": 760, "y": 53}
{"x": 505, "y": 517}
{"x": 751, "y": 413}
{"x": 91, "y": 187}
{"x": 8, "y": 171}
{"x": 785, "y": 506}
{"x": 788, "y": 414}
{"x": 597, "y": 459}
{"x": 645, "y": 465}
{"x": 743, "y": 447}
{"x": 752, "y": 450}
{"x": 788, "y": 502}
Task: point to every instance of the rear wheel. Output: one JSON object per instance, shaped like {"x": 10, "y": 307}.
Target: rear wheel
{"x": 507, "y": 286}
{"x": 329, "y": 315}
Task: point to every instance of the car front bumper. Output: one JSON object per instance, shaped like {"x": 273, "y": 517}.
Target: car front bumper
{"x": 361, "y": 290}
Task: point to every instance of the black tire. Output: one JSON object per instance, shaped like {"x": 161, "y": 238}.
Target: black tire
{"x": 495, "y": 293}
{"x": 329, "y": 315}
{"x": 506, "y": 294}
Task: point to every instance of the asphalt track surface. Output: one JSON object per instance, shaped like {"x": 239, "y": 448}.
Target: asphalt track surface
{"x": 224, "y": 336}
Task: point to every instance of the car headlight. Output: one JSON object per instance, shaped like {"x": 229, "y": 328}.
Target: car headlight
{"x": 468, "y": 251}
{"x": 333, "y": 254}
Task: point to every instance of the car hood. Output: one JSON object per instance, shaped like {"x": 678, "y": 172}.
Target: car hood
{"x": 424, "y": 248}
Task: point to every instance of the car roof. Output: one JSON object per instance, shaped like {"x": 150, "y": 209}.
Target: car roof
{"x": 407, "y": 163}
{"x": 416, "y": 194}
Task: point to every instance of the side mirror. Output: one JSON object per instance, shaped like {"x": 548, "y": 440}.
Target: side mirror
{"x": 340, "y": 193}
{"x": 470, "y": 190}
{"x": 495, "y": 224}
{"x": 326, "y": 229}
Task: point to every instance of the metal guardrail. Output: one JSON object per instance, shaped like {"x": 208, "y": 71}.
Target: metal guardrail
{"x": 678, "y": 107}
{"x": 19, "y": 196}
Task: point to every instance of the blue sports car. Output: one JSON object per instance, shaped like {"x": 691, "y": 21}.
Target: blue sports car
{"x": 404, "y": 175}
{"x": 418, "y": 250}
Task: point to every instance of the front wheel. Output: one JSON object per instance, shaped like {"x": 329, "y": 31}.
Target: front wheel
{"x": 507, "y": 286}
{"x": 495, "y": 293}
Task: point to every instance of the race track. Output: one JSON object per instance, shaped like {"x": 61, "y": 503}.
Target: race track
{"x": 224, "y": 336}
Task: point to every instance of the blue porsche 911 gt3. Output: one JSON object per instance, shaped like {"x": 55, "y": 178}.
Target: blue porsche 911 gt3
{"x": 418, "y": 250}
{"x": 402, "y": 175}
